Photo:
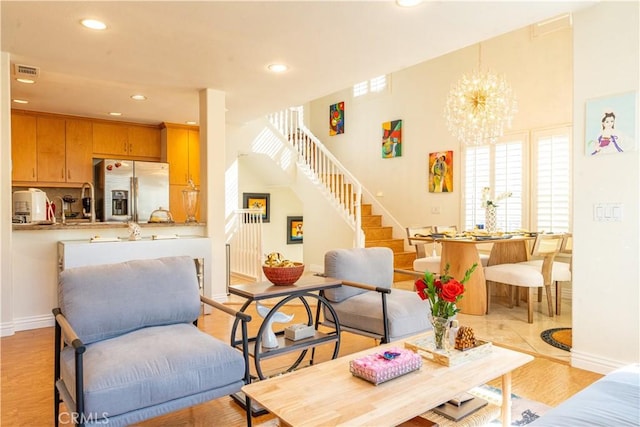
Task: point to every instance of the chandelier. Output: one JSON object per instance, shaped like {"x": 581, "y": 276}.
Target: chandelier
{"x": 479, "y": 106}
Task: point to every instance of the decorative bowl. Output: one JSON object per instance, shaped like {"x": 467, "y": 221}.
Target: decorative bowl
{"x": 284, "y": 275}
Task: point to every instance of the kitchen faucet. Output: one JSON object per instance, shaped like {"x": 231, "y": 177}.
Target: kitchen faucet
{"x": 61, "y": 210}
{"x": 92, "y": 208}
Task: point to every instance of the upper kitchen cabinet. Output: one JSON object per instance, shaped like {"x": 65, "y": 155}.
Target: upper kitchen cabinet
{"x": 144, "y": 142}
{"x": 181, "y": 149}
{"x": 50, "y": 137}
{"x": 50, "y": 150}
{"x": 23, "y": 148}
{"x": 126, "y": 141}
{"x": 79, "y": 150}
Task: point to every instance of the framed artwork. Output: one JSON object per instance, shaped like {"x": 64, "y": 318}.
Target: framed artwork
{"x": 336, "y": 119}
{"x": 257, "y": 201}
{"x": 294, "y": 230}
{"x": 611, "y": 124}
{"x": 441, "y": 172}
{"x": 392, "y": 139}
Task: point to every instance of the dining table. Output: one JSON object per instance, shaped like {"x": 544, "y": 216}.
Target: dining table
{"x": 460, "y": 253}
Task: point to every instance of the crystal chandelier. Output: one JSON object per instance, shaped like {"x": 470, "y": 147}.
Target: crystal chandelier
{"x": 479, "y": 106}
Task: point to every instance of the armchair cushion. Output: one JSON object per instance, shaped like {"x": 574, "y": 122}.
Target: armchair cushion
{"x": 407, "y": 313}
{"x": 100, "y": 301}
{"x": 151, "y": 366}
{"x": 373, "y": 266}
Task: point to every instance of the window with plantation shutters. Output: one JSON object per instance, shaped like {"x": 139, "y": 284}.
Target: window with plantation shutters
{"x": 500, "y": 167}
{"x": 537, "y": 173}
{"x": 477, "y": 176}
{"x": 552, "y": 185}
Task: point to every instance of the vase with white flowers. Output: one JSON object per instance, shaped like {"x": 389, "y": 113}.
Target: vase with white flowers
{"x": 489, "y": 205}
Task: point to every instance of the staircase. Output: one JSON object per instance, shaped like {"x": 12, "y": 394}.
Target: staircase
{"x": 377, "y": 235}
{"x": 341, "y": 188}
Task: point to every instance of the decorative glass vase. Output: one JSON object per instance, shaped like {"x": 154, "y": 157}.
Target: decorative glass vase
{"x": 490, "y": 219}
{"x": 440, "y": 331}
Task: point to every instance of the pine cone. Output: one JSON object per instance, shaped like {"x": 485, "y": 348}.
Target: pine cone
{"x": 465, "y": 338}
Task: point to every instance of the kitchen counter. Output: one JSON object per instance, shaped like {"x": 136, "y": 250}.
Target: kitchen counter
{"x": 79, "y": 225}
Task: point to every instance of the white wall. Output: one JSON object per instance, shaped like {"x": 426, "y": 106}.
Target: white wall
{"x": 606, "y": 283}
{"x": 539, "y": 71}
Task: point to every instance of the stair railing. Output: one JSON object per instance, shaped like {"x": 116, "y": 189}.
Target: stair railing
{"x": 322, "y": 167}
{"x": 246, "y": 244}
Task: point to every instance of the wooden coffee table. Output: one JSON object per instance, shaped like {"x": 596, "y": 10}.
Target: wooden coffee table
{"x": 327, "y": 394}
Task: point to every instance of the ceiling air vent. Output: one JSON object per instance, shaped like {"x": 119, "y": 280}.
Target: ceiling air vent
{"x": 26, "y": 71}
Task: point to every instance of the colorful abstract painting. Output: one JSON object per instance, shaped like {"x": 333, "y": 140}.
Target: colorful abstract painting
{"x": 392, "y": 139}
{"x": 441, "y": 172}
{"x": 336, "y": 119}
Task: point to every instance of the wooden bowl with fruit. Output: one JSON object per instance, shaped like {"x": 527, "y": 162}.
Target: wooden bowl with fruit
{"x": 280, "y": 271}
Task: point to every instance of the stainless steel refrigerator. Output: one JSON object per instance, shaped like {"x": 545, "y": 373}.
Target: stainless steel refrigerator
{"x": 128, "y": 190}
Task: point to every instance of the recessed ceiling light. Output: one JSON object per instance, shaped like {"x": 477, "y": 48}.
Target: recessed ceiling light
{"x": 278, "y": 68}
{"x": 114, "y": 113}
{"x": 408, "y": 3}
{"x": 138, "y": 97}
{"x": 28, "y": 81}
{"x": 93, "y": 24}
{"x": 190, "y": 122}
{"x": 20, "y": 101}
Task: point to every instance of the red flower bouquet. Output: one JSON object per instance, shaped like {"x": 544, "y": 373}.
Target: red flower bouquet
{"x": 443, "y": 293}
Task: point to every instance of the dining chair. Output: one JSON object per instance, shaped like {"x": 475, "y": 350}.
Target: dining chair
{"x": 524, "y": 275}
{"x": 561, "y": 271}
{"x": 424, "y": 262}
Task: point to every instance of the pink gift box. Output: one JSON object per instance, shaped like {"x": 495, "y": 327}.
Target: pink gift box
{"x": 385, "y": 365}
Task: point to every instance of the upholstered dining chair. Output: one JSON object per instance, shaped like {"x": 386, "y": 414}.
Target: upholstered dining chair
{"x": 561, "y": 271}
{"x": 365, "y": 304}
{"x": 524, "y": 275}
{"x": 424, "y": 262}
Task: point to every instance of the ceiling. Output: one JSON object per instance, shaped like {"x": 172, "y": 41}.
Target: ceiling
{"x": 169, "y": 51}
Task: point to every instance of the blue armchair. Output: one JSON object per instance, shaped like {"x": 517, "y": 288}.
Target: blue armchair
{"x": 127, "y": 348}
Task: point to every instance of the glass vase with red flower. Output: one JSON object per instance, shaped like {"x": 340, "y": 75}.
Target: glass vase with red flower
{"x": 442, "y": 293}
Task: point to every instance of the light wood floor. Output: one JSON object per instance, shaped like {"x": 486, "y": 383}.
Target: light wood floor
{"x": 27, "y": 380}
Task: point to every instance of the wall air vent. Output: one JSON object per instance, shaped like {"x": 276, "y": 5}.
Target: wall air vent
{"x": 26, "y": 71}
{"x": 550, "y": 25}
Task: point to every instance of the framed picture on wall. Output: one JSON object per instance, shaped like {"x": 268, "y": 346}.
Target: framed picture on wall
{"x": 257, "y": 201}
{"x": 392, "y": 139}
{"x": 441, "y": 172}
{"x": 294, "y": 230}
{"x": 336, "y": 119}
{"x": 611, "y": 124}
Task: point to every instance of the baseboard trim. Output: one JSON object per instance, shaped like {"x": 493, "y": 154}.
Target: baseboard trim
{"x": 7, "y": 329}
{"x": 26, "y": 323}
{"x": 592, "y": 363}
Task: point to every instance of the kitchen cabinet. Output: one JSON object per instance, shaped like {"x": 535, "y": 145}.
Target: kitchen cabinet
{"x": 50, "y": 137}
{"x": 126, "y": 141}
{"x": 23, "y": 148}
{"x": 49, "y": 150}
{"x": 79, "y": 151}
{"x": 181, "y": 149}
{"x": 144, "y": 142}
